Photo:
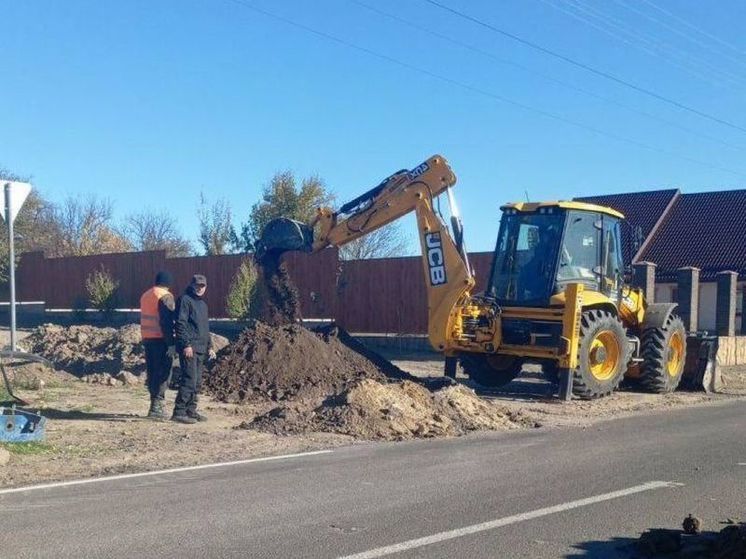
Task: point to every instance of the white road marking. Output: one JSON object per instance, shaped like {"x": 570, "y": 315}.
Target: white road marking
{"x": 742, "y": 463}
{"x": 492, "y": 524}
{"x": 159, "y": 472}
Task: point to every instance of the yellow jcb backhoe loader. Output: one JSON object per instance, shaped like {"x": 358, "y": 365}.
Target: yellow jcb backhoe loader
{"x": 556, "y": 294}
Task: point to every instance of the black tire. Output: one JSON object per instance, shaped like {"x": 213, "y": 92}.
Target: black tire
{"x": 491, "y": 371}
{"x": 663, "y": 357}
{"x": 595, "y": 377}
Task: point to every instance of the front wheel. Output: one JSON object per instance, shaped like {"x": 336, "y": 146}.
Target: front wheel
{"x": 491, "y": 371}
{"x": 603, "y": 355}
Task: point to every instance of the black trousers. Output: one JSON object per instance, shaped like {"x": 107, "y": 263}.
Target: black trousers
{"x": 158, "y": 365}
{"x": 190, "y": 383}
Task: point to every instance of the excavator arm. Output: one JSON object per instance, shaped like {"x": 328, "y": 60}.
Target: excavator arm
{"x": 448, "y": 276}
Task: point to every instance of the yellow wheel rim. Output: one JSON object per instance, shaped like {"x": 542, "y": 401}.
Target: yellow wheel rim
{"x": 604, "y": 355}
{"x": 675, "y": 354}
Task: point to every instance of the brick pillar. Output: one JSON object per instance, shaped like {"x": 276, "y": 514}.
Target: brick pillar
{"x": 725, "y": 311}
{"x": 644, "y": 278}
{"x": 688, "y": 286}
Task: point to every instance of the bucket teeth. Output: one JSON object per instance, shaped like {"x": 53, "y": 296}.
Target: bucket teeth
{"x": 283, "y": 234}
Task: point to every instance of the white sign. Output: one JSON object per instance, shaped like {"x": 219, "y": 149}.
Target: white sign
{"x": 19, "y": 191}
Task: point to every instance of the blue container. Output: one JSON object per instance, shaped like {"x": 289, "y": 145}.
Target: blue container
{"x": 19, "y": 426}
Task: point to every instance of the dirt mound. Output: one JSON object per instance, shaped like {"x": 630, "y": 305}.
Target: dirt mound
{"x": 83, "y": 350}
{"x": 282, "y": 301}
{"x": 290, "y": 362}
{"x": 370, "y": 409}
{"x": 327, "y": 381}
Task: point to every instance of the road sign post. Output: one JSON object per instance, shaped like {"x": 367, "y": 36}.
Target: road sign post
{"x": 15, "y": 196}
{"x": 11, "y": 268}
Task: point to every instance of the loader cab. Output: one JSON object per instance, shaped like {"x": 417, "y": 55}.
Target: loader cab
{"x": 543, "y": 247}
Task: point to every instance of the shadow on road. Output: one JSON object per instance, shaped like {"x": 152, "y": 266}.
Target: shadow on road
{"x": 616, "y": 548}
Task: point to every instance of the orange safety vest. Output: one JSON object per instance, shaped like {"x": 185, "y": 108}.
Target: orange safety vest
{"x": 150, "y": 322}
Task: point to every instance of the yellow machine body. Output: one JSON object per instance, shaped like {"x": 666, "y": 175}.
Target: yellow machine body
{"x": 460, "y": 323}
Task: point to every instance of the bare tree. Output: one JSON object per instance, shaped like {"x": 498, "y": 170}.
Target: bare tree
{"x": 216, "y": 233}
{"x": 385, "y": 242}
{"x": 156, "y": 231}
{"x": 84, "y": 227}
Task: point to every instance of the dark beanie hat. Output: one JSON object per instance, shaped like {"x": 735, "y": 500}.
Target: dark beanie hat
{"x": 164, "y": 279}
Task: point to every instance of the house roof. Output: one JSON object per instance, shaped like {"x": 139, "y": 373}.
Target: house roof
{"x": 705, "y": 230}
{"x": 643, "y": 210}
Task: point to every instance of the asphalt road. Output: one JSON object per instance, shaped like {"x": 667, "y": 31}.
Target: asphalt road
{"x": 544, "y": 493}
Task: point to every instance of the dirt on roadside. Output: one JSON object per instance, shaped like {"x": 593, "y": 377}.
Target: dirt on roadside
{"x": 87, "y": 349}
{"x": 372, "y": 410}
{"x": 326, "y": 381}
{"x": 290, "y": 362}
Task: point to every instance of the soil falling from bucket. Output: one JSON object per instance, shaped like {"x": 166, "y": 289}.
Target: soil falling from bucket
{"x": 282, "y": 304}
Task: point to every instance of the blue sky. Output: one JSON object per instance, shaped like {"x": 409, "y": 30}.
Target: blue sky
{"x": 149, "y": 102}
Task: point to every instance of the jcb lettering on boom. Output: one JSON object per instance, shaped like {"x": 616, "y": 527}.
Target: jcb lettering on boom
{"x": 420, "y": 169}
{"x": 435, "y": 260}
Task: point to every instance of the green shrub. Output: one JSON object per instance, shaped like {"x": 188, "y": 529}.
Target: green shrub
{"x": 102, "y": 291}
{"x": 244, "y": 296}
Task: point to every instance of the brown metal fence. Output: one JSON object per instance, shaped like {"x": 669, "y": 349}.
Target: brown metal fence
{"x": 382, "y": 295}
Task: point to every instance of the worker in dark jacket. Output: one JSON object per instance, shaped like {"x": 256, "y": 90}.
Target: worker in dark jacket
{"x": 157, "y": 329}
{"x": 193, "y": 344}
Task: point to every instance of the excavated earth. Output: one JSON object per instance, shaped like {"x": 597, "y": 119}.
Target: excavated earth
{"x": 87, "y": 350}
{"x": 326, "y": 381}
{"x": 282, "y": 301}
{"x": 369, "y": 409}
{"x": 290, "y": 362}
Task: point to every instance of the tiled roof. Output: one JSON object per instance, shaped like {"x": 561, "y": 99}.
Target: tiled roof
{"x": 641, "y": 209}
{"x": 705, "y": 230}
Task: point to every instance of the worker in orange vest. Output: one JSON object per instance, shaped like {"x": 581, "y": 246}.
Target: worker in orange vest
{"x": 157, "y": 314}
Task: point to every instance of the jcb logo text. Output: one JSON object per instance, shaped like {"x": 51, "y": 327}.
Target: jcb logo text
{"x": 435, "y": 261}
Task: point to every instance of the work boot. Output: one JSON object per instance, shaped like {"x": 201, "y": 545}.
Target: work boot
{"x": 196, "y": 415}
{"x": 156, "y": 409}
{"x": 183, "y": 419}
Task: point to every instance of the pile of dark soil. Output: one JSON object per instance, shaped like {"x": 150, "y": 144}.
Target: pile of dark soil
{"x": 326, "y": 381}
{"x": 282, "y": 363}
{"x": 282, "y": 301}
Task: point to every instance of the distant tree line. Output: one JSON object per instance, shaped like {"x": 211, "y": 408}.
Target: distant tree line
{"x": 83, "y": 225}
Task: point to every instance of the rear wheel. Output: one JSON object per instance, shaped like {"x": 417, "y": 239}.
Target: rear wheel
{"x": 602, "y": 355}
{"x": 663, "y": 352}
{"x": 491, "y": 371}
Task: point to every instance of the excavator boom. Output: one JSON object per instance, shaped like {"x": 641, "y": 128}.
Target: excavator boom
{"x": 448, "y": 276}
{"x": 379, "y": 206}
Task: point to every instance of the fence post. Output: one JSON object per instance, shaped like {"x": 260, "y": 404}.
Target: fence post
{"x": 644, "y": 278}
{"x": 725, "y": 310}
{"x": 688, "y": 299}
